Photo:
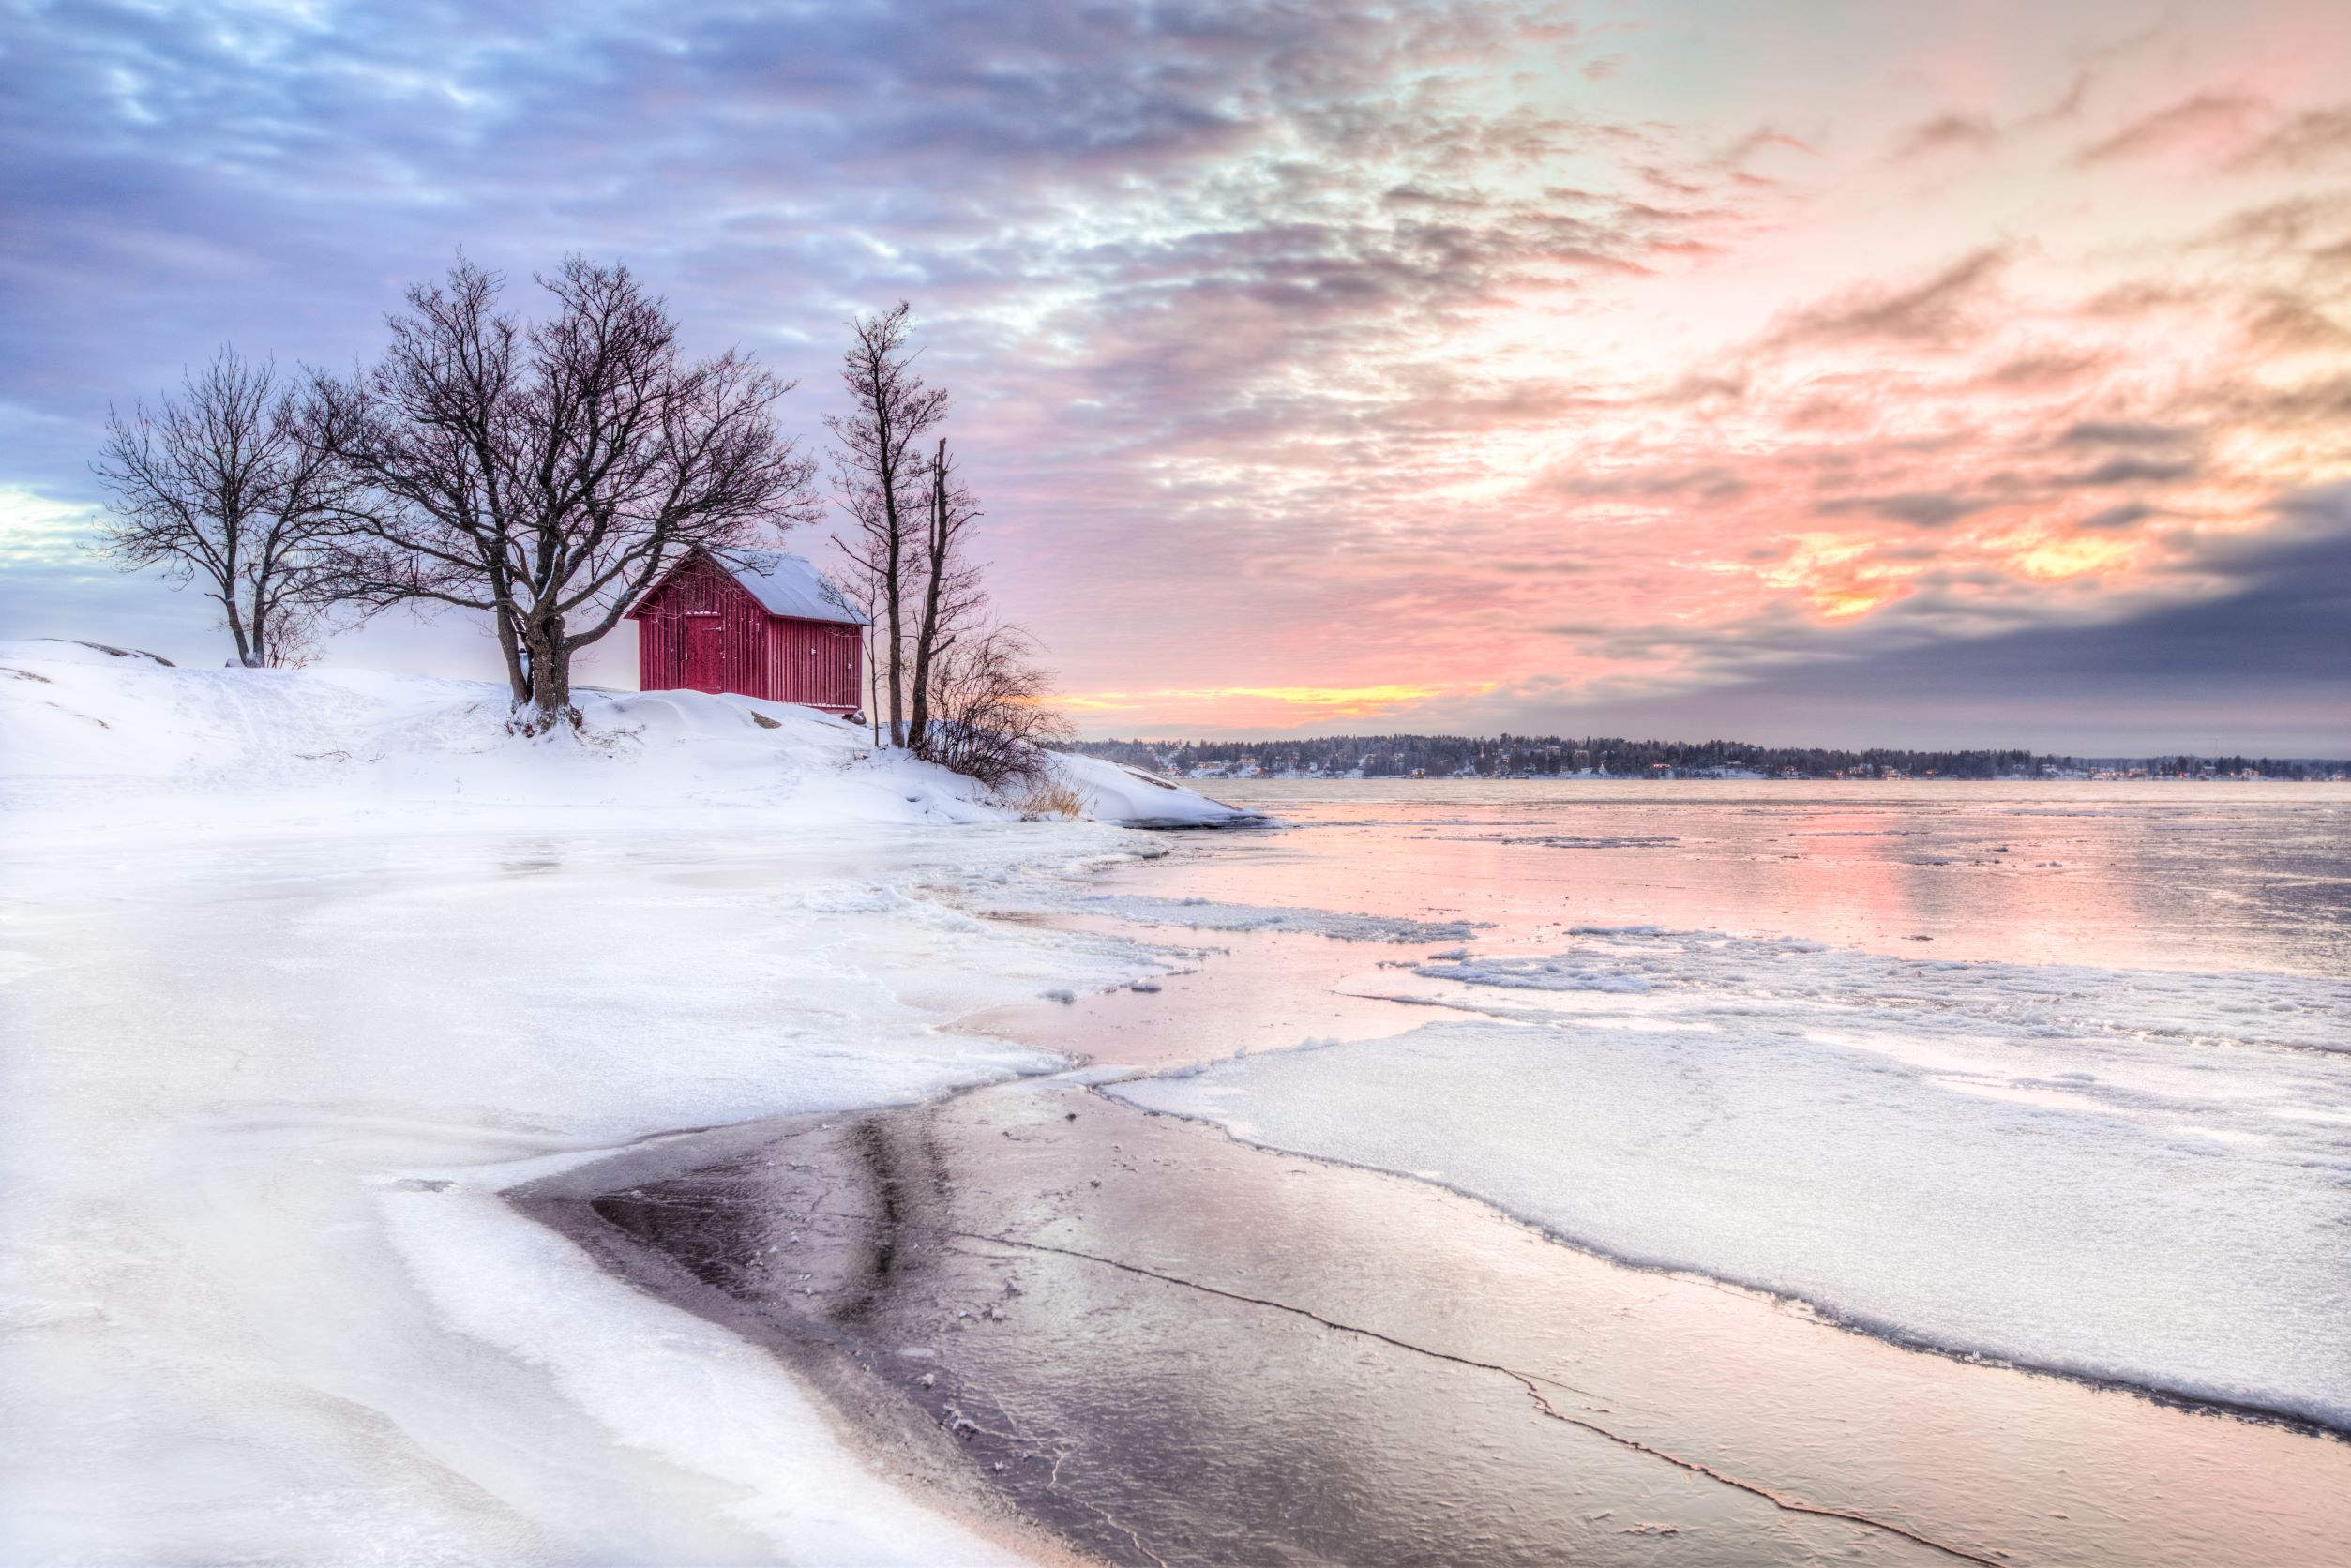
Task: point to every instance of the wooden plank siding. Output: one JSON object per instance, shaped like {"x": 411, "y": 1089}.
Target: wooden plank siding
{"x": 776, "y": 657}
{"x": 813, "y": 662}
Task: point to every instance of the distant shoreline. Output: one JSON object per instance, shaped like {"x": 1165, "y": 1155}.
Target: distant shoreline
{"x": 1551, "y": 759}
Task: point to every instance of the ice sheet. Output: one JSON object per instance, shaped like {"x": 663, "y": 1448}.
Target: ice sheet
{"x": 1121, "y": 794}
{"x": 2131, "y": 1176}
{"x": 1209, "y": 914}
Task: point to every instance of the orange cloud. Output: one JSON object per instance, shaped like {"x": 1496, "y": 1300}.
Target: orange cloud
{"x": 1257, "y": 707}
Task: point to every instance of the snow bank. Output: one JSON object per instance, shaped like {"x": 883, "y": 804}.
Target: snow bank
{"x": 688, "y": 1393}
{"x": 89, "y": 729}
{"x": 300, "y": 969}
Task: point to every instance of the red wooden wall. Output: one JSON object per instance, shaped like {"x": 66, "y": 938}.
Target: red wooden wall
{"x": 758, "y": 654}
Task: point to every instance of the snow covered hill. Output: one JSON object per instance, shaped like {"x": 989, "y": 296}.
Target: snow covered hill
{"x": 88, "y": 729}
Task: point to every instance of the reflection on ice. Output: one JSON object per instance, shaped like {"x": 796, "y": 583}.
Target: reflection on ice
{"x": 1930, "y": 998}
{"x": 2127, "y": 1175}
{"x": 2052, "y": 1074}
{"x": 2207, "y": 877}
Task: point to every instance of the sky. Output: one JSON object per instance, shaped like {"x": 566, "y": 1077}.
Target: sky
{"x": 1808, "y": 373}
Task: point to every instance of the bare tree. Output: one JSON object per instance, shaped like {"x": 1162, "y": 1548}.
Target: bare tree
{"x": 882, "y": 479}
{"x": 547, "y": 473}
{"x": 991, "y": 718}
{"x": 218, "y": 483}
{"x": 951, "y": 598}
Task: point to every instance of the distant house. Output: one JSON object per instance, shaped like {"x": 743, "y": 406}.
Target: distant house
{"x": 761, "y": 622}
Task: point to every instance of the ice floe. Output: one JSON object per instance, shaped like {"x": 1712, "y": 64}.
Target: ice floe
{"x": 2136, "y": 1176}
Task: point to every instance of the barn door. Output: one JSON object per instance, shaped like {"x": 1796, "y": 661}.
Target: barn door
{"x": 701, "y": 654}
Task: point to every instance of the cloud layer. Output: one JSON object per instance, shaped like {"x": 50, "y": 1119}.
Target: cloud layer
{"x": 1441, "y": 364}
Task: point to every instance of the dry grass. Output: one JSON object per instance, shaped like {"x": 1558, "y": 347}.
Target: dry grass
{"x": 1050, "y": 797}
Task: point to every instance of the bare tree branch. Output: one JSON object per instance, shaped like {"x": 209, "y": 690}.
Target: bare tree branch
{"x": 547, "y": 473}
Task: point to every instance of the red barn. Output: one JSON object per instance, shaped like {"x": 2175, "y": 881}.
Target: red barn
{"x": 761, "y": 622}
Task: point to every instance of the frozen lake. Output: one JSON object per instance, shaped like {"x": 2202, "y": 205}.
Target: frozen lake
{"x": 2054, "y": 1074}
{"x": 2067, "y": 1141}
{"x": 2059, "y": 1074}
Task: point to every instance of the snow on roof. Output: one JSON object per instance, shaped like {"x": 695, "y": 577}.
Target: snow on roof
{"x": 787, "y": 585}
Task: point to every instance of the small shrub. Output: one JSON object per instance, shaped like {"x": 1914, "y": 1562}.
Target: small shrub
{"x": 989, "y": 718}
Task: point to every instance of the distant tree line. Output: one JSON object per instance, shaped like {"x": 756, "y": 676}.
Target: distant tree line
{"x": 543, "y": 474}
{"x": 1547, "y": 756}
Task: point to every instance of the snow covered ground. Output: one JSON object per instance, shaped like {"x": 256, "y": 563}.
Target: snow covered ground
{"x": 298, "y": 968}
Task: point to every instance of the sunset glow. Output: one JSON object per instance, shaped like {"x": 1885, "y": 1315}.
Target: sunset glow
{"x": 1467, "y": 365}
{"x": 1255, "y": 707}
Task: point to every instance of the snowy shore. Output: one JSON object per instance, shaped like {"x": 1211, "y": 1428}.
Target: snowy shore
{"x": 92, "y": 730}
{"x": 302, "y": 968}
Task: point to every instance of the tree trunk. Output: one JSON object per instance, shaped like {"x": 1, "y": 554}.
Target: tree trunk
{"x": 894, "y": 575}
{"x": 260, "y": 615}
{"x": 895, "y": 594}
{"x": 502, "y": 615}
{"x": 926, "y": 631}
{"x": 227, "y": 577}
{"x": 236, "y": 625}
{"x": 551, "y": 688}
{"x": 550, "y": 694}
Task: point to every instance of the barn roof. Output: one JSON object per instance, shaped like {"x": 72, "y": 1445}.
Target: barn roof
{"x": 784, "y": 583}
